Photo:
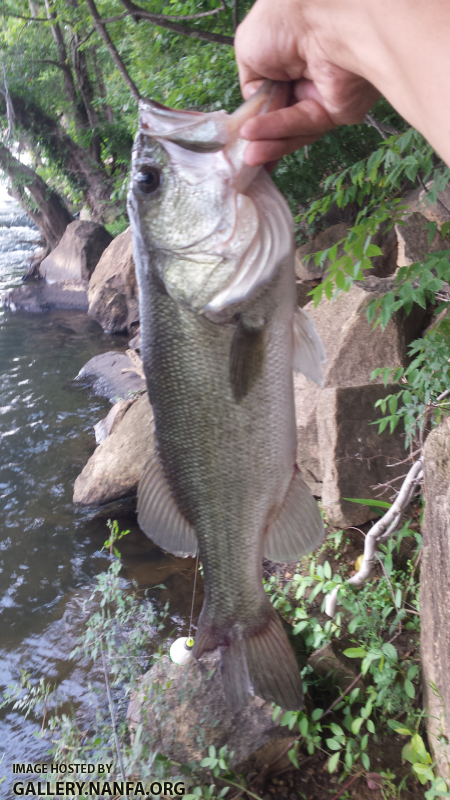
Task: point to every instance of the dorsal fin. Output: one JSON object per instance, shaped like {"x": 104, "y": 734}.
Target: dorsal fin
{"x": 299, "y": 526}
{"x": 158, "y": 514}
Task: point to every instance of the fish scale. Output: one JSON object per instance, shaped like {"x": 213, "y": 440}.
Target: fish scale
{"x": 219, "y": 331}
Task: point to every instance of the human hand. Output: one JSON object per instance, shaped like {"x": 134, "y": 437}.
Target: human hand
{"x": 288, "y": 41}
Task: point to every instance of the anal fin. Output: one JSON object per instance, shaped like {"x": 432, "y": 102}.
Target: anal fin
{"x": 158, "y": 514}
{"x": 309, "y": 353}
{"x": 299, "y": 526}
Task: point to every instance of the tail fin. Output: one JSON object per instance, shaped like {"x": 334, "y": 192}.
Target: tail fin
{"x": 262, "y": 663}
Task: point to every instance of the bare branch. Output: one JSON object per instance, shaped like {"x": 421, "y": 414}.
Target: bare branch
{"x": 164, "y": 17}
{"x": 384, "y": 130}
{"x": 163, "y": 21}
{"x": 101, "y": 29}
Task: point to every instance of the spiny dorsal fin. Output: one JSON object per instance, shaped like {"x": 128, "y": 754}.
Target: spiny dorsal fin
{"x": 246, "y": 359}
{"x": 158, "y": 515}
{"x": 299, "y": 527}
{"x": 308, "y": 349}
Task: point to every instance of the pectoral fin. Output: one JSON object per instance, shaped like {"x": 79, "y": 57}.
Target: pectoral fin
{"x": 299, "y": 527}
{"x": 308, "y": 349}
{"x": 246, "y": 359}
{"x": 158, "y": 515}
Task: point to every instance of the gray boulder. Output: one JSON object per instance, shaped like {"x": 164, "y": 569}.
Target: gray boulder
{"x": 183, "y": 710}
{"x": 108, "y": 425}
{"x": 354, "y": 457}
{"x": 413, "y": 243}
{"x": 112, "y": 375}
{"x": 115, "y": 468}
{"x": 353, "y": 351}
{"x": 435, "y": 595}
{"x": 38, "y": 297}
{"x": 113, "y": 291}
{"x": 77, "y": 254}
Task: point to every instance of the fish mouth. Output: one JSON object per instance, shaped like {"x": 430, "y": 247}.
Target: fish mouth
{"x": 205, "y": 132}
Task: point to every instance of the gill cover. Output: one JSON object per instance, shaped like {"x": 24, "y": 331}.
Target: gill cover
{"x": 262, "y": 235}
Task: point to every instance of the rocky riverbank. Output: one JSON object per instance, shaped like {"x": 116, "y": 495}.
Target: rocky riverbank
{"x": 340, "y": 452}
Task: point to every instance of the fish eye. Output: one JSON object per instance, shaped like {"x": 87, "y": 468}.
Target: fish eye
{"x": 148, "y": 180}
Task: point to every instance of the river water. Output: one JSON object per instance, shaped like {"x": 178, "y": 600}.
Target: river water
{"x": 50, "y": 551}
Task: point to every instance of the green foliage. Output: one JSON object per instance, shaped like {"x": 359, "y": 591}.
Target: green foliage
{"x": 372, "y": 616}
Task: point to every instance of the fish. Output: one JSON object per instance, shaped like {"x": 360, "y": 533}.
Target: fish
{"x": 221, "y": 334}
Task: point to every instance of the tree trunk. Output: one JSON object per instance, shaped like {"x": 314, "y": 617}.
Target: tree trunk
{"x": 81, "y": 169}
{"x": 51, "y": 215}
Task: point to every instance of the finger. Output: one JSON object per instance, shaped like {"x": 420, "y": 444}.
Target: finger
{"x": 307, "y": 118}
{"x": 265, "y": 152}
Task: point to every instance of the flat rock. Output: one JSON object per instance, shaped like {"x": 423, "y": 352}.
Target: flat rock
{"x": 115, "y": 468}
{"x": 184, "y": 710}
{"x": 353, "y": 351}
{"x": 105, "y": 375}
{"x": 435, "y": 595}
{"x": 113, "y": 291}
{"x": 38, "y": 297}
{"x": 354, "y": 456}
{"x": 77, "y": 254}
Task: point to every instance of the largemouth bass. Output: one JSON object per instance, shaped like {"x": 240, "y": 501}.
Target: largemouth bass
{"x": 221, "y": 334}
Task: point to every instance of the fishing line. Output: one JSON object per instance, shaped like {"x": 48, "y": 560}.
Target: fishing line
{"x": 193, "y": 595}
{"x": 181, "y": 650}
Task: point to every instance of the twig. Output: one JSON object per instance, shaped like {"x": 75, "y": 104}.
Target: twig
{"x": 113, "y": 716}
{"x": 344, "y": 788}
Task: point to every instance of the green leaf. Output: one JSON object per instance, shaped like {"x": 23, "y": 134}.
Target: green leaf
{"x": 333, "y": 744}
{"x": 333, "y": 762}
{"x": 390, "y": 651}
{"x": 365, "y": 760}
{"x": 355, "y": 652}
{"x": 303, "y": 726}
{"x": 356, "y": 725}
{"x": 409, "y": 689}
{"x": 337, "y": 730}
{"x": 368, "y": 502}
{"x": 293, "y": 757}
{"x": 316, "y": 714}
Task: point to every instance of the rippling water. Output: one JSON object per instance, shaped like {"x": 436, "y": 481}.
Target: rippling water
{"x": 49, "y": 550}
